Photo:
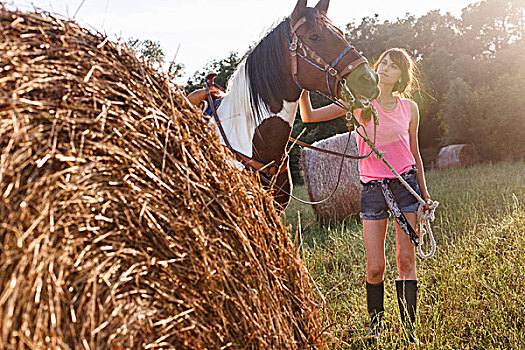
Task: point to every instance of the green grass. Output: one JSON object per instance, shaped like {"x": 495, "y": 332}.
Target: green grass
{"x": 472, "y": 292}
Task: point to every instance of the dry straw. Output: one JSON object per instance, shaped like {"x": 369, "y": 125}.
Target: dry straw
{"x": 122, "y": 222}
{"x": 321, "y": 171}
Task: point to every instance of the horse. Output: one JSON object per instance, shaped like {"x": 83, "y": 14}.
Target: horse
{"x": 255, "y": 117}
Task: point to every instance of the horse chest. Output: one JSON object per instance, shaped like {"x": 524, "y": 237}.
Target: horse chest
{"x": 271, "y": 135}
{"x": 270, "y": 138}
{"x": 265, "y": 140}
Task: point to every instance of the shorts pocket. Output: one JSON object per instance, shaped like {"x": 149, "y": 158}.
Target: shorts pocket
{"x": 412, "y": 181}
{"x": 365, "y": 189}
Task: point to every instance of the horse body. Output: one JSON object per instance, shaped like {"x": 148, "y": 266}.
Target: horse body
{"x": 258, "y": 111}
{"x": 258, "y": 133}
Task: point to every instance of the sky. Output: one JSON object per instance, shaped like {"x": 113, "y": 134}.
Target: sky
{"x": 195, "y": 32}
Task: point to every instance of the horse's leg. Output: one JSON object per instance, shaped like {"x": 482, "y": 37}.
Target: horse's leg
{"x": 280, "y": 190}
{"x": 269, "y": 144}
{"x": 283, "y": 189}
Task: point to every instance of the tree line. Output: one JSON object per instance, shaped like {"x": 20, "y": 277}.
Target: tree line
{"x": 471, "y": 81}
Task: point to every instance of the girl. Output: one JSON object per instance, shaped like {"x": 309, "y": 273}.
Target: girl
{"x": 396, "y": 135}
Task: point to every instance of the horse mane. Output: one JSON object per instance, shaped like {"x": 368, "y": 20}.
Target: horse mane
{"x": 266, "y": 68}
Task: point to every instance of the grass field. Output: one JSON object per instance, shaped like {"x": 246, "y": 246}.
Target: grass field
{"x": 472, "y": 292}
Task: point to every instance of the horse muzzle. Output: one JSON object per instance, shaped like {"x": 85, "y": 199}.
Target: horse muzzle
{"x": 361, "y": 84}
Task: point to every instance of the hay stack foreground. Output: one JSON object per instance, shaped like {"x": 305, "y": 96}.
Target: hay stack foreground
{"x": 122, "y": 223}
{"x": 320, "y": 172}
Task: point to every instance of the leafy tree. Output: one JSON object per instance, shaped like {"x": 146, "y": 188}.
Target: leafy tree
{"x": 371, "y": 36}
{"x": 489, "y": 59}
{"x": 461, "y": 114}
{"x": 154, "y": 55}
{"x": 506, "y": 119}
{"x": 490, "y": 117}
{"x": 223, "y": 67}
{"x": 492, "y": 25}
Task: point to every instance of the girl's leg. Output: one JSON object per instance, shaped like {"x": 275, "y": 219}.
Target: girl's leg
{"x": 406, "y": 285}
{"x": 405, "y": 251}
{"x": 374, "y": 233}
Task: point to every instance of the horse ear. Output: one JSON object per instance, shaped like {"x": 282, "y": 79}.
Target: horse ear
{"x": 322, "y": 6}
{"x": 298, "y": 10}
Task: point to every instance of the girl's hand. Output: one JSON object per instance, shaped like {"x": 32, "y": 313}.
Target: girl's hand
{"x": 216, "y": 92}
{"x": 428, "y": 203}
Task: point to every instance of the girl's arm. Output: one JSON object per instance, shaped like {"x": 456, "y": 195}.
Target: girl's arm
{"x": 200, "y": 95}
{"x": 414, "y": 148}
{"x": 310, "y": 115}
{"x": 197, "y": 96}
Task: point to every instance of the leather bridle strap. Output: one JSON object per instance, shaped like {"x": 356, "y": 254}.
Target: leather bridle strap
{"x": 327, "y": 151}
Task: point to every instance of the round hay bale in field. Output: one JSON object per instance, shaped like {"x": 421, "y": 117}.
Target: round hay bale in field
{"x": 320, "y": 172}
{"x": 122, "y": 222}
{"x": 457, "y": 156}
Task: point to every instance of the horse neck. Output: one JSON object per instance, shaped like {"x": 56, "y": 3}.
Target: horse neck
{"x": 259, "y": 132}
{"x": 269, "y": 70}
{"x": 260, "y": 107}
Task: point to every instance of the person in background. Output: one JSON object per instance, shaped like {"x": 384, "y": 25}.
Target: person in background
{"x": 198, "y": 96}
{"x": 397, "y": 137}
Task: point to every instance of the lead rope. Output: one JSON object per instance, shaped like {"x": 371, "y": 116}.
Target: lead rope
{"x": 424, "y": 216}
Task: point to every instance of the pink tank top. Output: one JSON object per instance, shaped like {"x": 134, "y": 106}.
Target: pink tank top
{"x": 392, "y": 137}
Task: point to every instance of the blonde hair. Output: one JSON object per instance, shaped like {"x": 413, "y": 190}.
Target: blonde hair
{"x": 408, "y": 80}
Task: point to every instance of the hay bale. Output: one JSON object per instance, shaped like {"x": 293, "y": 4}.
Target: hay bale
{"x": 122, "y": 222}
{"x": 457, "y": 156}
{"x": 320, "y": 172}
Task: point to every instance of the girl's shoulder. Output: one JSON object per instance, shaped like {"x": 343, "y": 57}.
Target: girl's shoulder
{"x": 411, "y": 104}
{"x": 407, "y": 99}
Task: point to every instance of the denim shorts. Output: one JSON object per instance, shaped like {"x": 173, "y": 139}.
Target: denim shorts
{"x": 373, "y": 204}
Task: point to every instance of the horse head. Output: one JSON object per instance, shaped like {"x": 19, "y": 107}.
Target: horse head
{"x": 323, "y": 60}
{"x": 304, "y": 51}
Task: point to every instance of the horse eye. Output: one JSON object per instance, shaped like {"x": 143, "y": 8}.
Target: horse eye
{"x": 314, "y": 37}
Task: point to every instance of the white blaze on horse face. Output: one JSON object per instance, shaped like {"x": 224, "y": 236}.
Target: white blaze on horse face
{"x": 236, "y": 114}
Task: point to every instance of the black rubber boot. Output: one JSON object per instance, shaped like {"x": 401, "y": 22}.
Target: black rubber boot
{"x": 374, "y": 300}
{"x": 407, "y": 299}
